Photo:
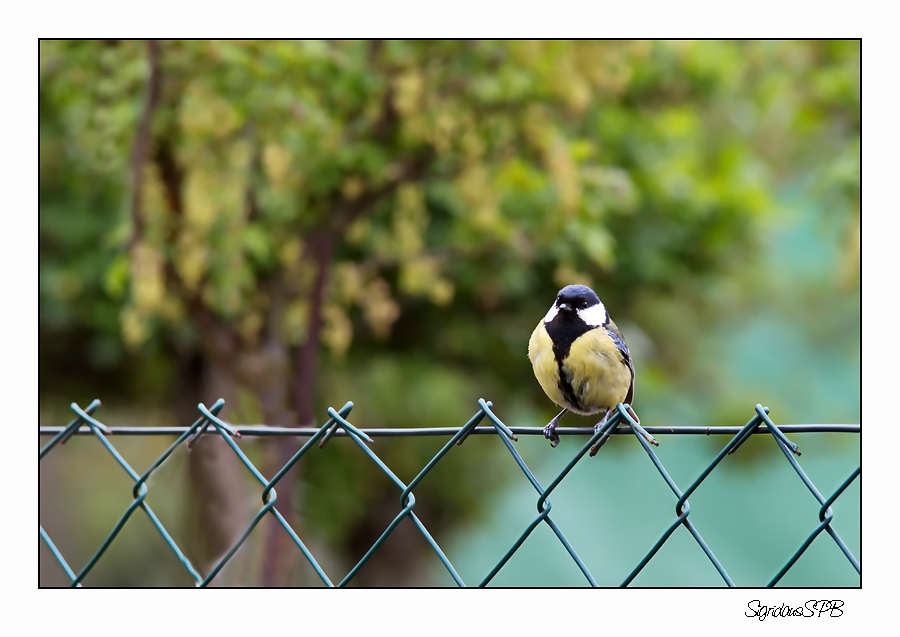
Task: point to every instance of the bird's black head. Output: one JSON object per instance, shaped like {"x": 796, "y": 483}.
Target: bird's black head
{"x": 577, "y": 305}
{"x": 573, "y": 298}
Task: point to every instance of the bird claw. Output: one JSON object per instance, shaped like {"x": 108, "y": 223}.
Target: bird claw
{"x": 551, "y": 435}
{"x": 602, "y": 440}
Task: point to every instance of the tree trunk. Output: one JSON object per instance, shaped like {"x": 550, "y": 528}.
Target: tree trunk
{"x": 279, "y": 551}
{"x": 219, "y": 508}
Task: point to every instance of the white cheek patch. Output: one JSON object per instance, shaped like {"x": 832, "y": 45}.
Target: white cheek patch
{"x": 551, "y": 313}
{"x": 594, "y": 315}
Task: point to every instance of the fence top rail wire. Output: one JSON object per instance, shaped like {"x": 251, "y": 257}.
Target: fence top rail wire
{"x": 337, "y": 425}
{"x": 388, "y": 432}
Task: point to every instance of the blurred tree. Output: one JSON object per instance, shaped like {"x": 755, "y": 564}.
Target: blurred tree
{"x": 424, "y": 199}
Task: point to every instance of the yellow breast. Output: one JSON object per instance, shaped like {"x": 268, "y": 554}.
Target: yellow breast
{"x": 593, "y": 369}
{"x": 540, "y": 353}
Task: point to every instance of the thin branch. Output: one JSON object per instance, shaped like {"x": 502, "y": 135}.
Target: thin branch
{"x": 142, "y": 141}
{"x": 172, "y": 177}
{"x": 320, "y": 251}
{"x": 349, "y": 211}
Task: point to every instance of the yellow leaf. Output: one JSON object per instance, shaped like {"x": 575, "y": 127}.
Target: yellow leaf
{"x": 191, "y": 259}
{"x": 567, "y": 275}
{"x": 250, "y": 325}
{"x": 290, "y": 252}
{"x": 296, "y": 318}
{"x": 565, "y": 174}
{"x": 352, "y": 188}
{"x": 134, "y": 327}
{"x": 276, "y": 164}
{"x": 147, "y": 283}
{"x": 348, "y": 282}
{"x": 379, "y": 309}
{"x": 408, "y": 92}
{"x": 337, "y": 330}
{"x": 200, "y": 210}
{"x": 410, "y": 220}
{"x": 441, "y": 292}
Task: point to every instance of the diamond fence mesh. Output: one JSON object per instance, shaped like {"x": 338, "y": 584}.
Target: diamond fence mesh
{"x": 337, "y": 425}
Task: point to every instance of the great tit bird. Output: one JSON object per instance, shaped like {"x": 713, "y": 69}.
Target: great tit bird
{"x": 580, "y": 359}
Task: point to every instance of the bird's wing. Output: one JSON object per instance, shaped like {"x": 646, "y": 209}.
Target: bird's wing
{"x": 616, "y": 336}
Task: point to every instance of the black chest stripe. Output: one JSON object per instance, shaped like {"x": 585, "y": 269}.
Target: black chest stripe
{"x": 563, "y": 330}
{"x": 565, "y": 386}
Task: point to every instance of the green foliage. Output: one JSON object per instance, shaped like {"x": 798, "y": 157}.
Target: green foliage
{"x": 460, "y": 184}
{"x": 632, "y": 165}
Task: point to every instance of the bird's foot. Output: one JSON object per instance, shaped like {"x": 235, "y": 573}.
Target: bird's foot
{"x": 602, "y": 440}
{"x": 550, "y": 430}
{"x": 550, "y": 434}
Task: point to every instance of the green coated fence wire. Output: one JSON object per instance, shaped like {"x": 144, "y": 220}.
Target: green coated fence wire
{"x": 619, "y": 423}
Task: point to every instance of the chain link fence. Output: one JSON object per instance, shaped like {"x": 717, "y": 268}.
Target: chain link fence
{"x": 337, "y": 425}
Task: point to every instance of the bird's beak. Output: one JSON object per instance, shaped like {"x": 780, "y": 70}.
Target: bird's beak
{"x": 566, "y": 307}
